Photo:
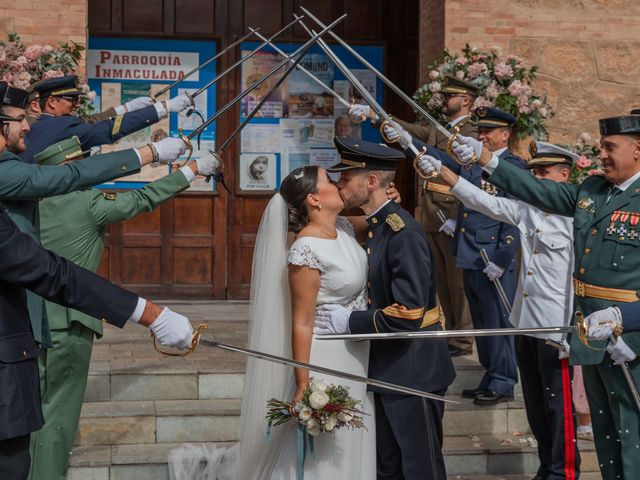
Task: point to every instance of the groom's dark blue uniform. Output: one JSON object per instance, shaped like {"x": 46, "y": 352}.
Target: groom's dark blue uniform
{"x": 402, "y": 297}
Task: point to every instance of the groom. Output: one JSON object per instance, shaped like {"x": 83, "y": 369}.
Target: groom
{"x": 401, "y": 290}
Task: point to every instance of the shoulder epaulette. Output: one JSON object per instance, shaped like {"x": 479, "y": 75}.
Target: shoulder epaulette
{"x": 395, "y": 222}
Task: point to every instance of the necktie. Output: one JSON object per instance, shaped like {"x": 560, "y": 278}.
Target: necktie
{"x": 613, "y": 193}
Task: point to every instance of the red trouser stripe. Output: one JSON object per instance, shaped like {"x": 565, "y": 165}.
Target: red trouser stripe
{"x": 569, "y": 431}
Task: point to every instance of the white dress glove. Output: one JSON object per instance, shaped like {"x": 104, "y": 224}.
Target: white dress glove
{"x": 169, "y": 149}
{"x": 172, "y": 329}
{"x": 493, "y": 271}
{"x": 448, "y": 227}
{"x": 208, "y": 164}
{"x": 428, "y": 165}
{"x": 175, "y": 104}
{"x": 331, "y": 318}
{"x": 135, "y": 104}
{"x": 620, "y": 352}
{"x": 562, "y": 354}
{"x": 393, "y": 132}
{"x": 466, "y": 147}
{"x": 600, "y": 324}
{"x": 359, "y": 113}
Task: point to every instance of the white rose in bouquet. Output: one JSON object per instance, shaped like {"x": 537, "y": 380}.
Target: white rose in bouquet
{"x": 345, "y": 416}
{"x": 318, "y": 400}
{"x": 305, "y": 413}
{"x": 318, "y": 387}
{"x": 331, "y": 423}
{"x": 313, "y": 427}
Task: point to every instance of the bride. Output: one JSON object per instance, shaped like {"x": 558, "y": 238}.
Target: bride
{"x": 325, "y": 264}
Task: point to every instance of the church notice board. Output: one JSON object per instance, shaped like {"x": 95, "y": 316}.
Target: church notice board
{"x": 120, "y": 69}
{"x": 296, "y": 125}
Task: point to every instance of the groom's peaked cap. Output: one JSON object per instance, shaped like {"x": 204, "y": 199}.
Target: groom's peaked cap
{"x": 362, "y": 154}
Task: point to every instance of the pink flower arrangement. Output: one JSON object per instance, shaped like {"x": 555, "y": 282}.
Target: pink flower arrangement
{"x": 588, "y": 164}
{"x": 22, "y": 65}
{"x": 503, "y": 81}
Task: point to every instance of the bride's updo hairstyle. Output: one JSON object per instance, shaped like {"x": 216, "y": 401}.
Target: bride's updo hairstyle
{"x": 294, "y": 189}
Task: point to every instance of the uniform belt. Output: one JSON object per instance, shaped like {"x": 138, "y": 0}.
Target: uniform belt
{"x": 430, "y": 317}
{"x": 603, "y": 293}
{"x": 438, "y": 188}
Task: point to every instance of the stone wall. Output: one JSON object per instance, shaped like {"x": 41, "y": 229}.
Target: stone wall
{"x": 587, "y": 51}
{"x": 45, "y": 21}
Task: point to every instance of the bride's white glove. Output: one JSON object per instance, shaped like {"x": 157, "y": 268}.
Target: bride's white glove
{"x": 331, "y": 318}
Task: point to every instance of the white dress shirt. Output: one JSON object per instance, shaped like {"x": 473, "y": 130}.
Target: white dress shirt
{"x": 544, "y": 297}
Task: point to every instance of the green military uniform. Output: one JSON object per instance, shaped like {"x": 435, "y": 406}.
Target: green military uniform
{"x": 436, "y": 196}
{"x": 23, "y": 184}
{"x": 73, "y": 226}
{"x": 607, "y": 255}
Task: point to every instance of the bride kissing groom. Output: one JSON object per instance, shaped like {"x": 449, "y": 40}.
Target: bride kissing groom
{"x": 363, "y": 274}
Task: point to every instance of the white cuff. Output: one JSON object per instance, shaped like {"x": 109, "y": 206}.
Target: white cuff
{"x": 491, "y": 166}
{"x": 120, "y": 109}
{"x": 137, "y": 313}
{"x": 162, "y": 112}
{"x": 188, "y": 173}
{"x": 139, "y": 156}
{"x": 462, "y": 188}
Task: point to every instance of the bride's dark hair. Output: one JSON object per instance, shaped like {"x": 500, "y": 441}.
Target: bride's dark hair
{"x": 294, "y": 189}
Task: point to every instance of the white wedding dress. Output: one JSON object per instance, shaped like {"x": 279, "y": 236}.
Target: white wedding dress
{"x": 345, "y": 454}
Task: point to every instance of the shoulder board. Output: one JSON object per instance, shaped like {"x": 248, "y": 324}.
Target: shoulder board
{"x": 395, "y": 222}
{"x": 110, "y": 195}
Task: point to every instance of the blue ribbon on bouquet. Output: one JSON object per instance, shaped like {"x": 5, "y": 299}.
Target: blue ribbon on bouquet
{"x": 301, "y": 446}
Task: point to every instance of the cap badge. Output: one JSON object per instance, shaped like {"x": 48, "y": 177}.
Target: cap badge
{"x": 533, "y": 149}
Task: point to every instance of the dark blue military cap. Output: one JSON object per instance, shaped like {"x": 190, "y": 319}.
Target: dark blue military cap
{"x": 15, "y": 97}
{"x": 361, "y": 154}
{"x": 491, "y": 117}
{"x": 55, "y": 87}
{"x": 6, "y": 118}
{"x": 624, "y": 125}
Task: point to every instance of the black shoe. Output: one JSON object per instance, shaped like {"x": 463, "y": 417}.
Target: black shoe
{"x": 492, "y": 398}
{"x": 474, "y": 392}
{"x": 458, "y": 352}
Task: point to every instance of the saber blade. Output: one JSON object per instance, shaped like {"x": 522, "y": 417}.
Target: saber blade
{"x": 307, "y": 72}
{"x": 210, "y": 342}
{"x": 484, "y": 332}
{"x": 633, "y": 388}
{"x": 496, "y": 282}
{"x": 200, "y": 67}
{"x": 381, "y": 76}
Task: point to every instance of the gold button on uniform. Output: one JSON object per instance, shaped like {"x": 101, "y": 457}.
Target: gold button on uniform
{"x": 582, "y": 270}
{"x": 594, "y": 231}
{"x": 368, "y": 284}
{"x": 462, "y": 230}
{"x": 529, "y": 273}
{"x": 587, "y": 251}
{"x": 370, "y": 234}
{"x": 374, "y": 220}
{"x": 123, "y": 168}
{"x": 368, "y": 251}
{"x": 525, "y": 294}
{"x": 369, "y": 301}
{"x": 465, "y": 214}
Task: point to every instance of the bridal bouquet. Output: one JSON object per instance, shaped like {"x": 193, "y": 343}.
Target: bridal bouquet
{"x": 323, "y": 409}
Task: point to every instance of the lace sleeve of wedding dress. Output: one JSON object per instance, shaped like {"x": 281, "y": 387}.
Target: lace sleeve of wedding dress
{"x": 302, "y": 255}
{"x": 269, "y": 331}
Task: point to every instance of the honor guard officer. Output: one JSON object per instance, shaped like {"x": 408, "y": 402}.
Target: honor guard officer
{"x": 23, "y": 184}
{"x": 606, "y": 218}
{"x": 34, "y": 111}
{"x": 73, "y": 226}
{"x": 401, "y": 291}
{"x": 544, "y": 298}
{"x": 24, "y": 264}
{"x": 436, "y": 196}
{"x": 476, "y": 232}
{"x": 59, "y": 97}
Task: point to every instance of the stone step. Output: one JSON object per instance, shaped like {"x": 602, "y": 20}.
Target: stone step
{"x": 482, "y": 458}
{"x": 217, "y": 420}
